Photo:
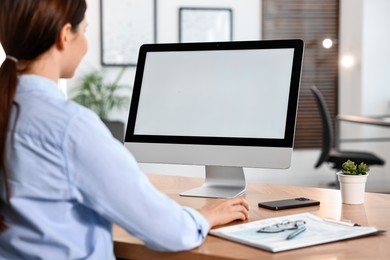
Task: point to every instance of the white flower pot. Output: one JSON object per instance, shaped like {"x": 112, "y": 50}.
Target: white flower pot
{"x": 352, "y": 188}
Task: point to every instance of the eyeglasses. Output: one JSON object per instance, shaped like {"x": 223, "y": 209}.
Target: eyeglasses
{"x": 280, "y": 227}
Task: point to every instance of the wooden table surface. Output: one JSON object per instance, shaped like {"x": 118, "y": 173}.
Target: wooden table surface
{"x": 374, "y": 212}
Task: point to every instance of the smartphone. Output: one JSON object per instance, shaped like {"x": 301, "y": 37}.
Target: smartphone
{"x": 288, "y": 203}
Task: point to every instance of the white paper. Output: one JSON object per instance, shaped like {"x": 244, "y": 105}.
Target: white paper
{"x": 317, "y": 232}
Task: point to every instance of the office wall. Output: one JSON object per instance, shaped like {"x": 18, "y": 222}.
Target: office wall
{"x": 376, "y": 79}
{"x": 363, "y": 35}
{"x": 376, "y": 57}
{"x": 364, "y": 87}
{"x": 376, "y": 65}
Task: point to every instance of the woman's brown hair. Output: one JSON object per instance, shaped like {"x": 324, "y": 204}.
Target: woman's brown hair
{"x": 28, "y": 28}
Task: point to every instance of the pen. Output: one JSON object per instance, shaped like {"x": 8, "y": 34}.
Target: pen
{"x": 296, "y": 233}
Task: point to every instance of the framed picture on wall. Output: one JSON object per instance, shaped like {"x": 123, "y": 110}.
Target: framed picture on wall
{"x": 205, "y": 24}
{"x": 191, "y": 20}
{"x": 125, "y": 26}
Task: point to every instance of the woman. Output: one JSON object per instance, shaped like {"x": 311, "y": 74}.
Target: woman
{"x": 64, "y": 178}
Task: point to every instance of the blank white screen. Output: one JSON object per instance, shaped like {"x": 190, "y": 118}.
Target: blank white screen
{"x": 232, "y": 93}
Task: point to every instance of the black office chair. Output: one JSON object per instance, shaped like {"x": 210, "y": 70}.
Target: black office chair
{"x": 331, "y": 154}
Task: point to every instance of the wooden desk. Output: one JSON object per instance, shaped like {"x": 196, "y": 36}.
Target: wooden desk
{"x": 374, "y": 212}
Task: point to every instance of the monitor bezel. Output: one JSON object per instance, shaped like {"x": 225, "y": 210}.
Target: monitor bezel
{"x": 288, "y": 139}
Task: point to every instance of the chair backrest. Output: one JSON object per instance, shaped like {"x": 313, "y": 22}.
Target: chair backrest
{"x": 327, "y": 131}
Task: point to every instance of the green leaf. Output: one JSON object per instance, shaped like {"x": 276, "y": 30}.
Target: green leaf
{"x": 99, "y": 96}
{"x": 350, "y": 168}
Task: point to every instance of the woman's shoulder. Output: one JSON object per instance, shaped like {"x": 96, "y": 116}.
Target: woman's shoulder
{"x": 49, "y": 119}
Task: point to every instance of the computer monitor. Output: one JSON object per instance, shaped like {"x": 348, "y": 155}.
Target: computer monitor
{"x": 225, "y": 105}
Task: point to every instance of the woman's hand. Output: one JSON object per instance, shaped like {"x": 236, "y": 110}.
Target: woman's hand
{"x": 225, "y": 211}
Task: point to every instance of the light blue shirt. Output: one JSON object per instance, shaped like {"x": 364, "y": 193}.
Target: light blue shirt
{"x": 71, "y": 180}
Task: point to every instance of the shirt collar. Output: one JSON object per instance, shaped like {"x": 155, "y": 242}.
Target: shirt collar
{"x": 38, "y": 84}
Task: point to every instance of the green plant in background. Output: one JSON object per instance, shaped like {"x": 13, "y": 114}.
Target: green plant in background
{"x": 350, "y": 168}
{"x": 99, "y": 96}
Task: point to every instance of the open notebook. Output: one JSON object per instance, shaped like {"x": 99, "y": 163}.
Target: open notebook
{"x": 318, "y": 231}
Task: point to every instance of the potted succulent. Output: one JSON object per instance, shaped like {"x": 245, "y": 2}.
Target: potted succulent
{"x": 102, "y": 97}
{"x": 353, "y": 180}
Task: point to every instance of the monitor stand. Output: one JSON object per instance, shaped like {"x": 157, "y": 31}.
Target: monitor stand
{"x": 220, "y": 182}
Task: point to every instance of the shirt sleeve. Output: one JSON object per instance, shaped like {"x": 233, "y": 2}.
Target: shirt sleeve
{"x": 106, "y": 178}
